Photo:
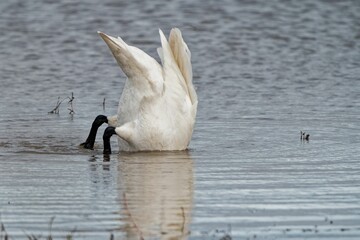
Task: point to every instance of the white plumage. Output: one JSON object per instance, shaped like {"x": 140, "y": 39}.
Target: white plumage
{"x": 158, "y": 105}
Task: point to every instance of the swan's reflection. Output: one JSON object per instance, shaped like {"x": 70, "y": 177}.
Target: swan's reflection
{"x": 156, "y": 190}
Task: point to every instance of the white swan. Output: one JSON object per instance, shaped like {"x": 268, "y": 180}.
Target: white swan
{"x": 158, "y": 105}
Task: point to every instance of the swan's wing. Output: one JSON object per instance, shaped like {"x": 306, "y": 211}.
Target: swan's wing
{"x": 136, "y": 64}
{"x": 182, "y": 56}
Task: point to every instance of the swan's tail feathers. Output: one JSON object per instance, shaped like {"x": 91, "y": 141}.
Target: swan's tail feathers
{"x": 123, "y": 56}
{"x": 161, "y": 54}
{"x": 182, "y": 57}
{"x": 181, "y": 53}
{"x": 135, "y": 63}
{"x": 168, "y": 60}
{"x": 164, "y": 52}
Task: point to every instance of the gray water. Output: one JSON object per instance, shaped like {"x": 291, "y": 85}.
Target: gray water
{"x": 264, "y": 71}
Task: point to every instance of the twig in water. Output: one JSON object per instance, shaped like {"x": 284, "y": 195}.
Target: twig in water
{"x": 104, "y": 104}
{"x": 56, "y": 108}
{"x": 50, "y": 226}
{"x": 2, "y": 230}
{"x": 304, "y": 136}
{"x": 32, "y": 236}
{"x": 69, "y": 236}
{"x": 71, "y": 99}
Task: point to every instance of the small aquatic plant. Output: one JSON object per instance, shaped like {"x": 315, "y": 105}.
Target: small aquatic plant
{"x": 5, "y": 236}
{"x": 304, "y": 136}
{"x": 56, "y": 109}
{"x": 220, "y": 234}
{"x": 3, "y": 233}
{"x": 70, "y": 103}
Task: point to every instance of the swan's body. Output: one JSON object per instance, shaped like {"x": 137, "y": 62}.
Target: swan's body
{"x": 158, "y": 105}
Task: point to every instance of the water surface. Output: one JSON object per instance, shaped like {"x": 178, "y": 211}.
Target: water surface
{"x": 264, "y": 70}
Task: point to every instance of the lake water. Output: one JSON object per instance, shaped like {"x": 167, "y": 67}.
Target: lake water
{"x": 264, "y": 71}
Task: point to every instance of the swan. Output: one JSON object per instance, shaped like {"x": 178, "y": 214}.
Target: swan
{"x": 158, "y": 104}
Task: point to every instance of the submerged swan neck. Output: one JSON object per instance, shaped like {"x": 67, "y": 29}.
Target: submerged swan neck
{"x": 109, "y": 131}
{"x": 99, "y": 120}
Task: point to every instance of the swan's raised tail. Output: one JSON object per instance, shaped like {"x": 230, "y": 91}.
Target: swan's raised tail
{"x": 123, "y": 56}
{"x": 138, "y": 66}
{"x": 182, "y": 56}
{"x": 176, "y": 51}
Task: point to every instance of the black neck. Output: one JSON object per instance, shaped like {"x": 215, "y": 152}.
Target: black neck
{"x": 90, "y": 141}
{"x": 109, "y": 131}
{"x": 92, "y": 135}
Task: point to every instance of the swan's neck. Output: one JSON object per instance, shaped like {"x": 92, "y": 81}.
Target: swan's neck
{"x": 99, "y": 120}
{"x": 109, "y": 131}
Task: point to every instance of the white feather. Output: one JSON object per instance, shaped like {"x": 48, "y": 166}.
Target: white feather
{"x": 158, "y": 105}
